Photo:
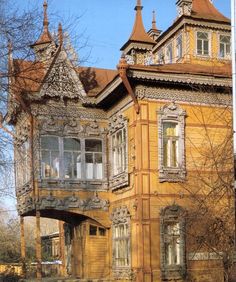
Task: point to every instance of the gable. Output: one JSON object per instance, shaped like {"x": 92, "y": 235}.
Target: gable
{"x": 62, "y": 81}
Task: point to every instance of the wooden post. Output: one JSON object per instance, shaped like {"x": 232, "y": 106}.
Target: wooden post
{"x": 22, "y": 244}
{"x": 38, "y": 247}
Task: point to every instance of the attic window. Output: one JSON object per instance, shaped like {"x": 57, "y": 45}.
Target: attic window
{"x": 224, "y": 46}
{"x": 203, "y": 43}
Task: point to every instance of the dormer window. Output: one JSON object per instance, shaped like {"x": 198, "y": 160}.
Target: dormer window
{"x": 203, "y": 46}
{"x": 225, "y": 50}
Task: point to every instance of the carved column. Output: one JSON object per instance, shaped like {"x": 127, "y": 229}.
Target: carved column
{"x": 22, "y": 244}
{"x": 38, "y": 247}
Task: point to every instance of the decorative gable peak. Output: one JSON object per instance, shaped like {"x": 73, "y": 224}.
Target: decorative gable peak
{"x": 184, "y": 7}
{"x": 62, "y": 80}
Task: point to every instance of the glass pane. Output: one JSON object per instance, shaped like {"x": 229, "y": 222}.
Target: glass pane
{"x": 206, "y": 47}
{"x": 71, "y": 144}
{"x": 165, "y": 152}
{"x": 55, "y": 164}
{"x": 174, "y": 153}
{"x": 92, "y": 145}
{"x": 77, "y": 167}
{"x": 89, "y": 166}
{"x": 68, "y": 165}
{"x": 92, "y": 230}
{"x": 102, "y": 231}
{"x": 49, "y": 143}
{"x": 199, "y": 47}
{"x": 45, "y": 164}
{"x": 170, "y": 129}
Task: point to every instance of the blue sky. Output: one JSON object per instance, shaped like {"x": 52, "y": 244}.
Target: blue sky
{"x": 107, "y": 24}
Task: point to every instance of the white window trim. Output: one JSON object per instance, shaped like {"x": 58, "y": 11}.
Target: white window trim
{"x": 172, "y": 113}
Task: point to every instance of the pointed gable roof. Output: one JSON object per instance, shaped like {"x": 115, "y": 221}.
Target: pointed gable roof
{"x": 139, "y": 33}
{"x": 204, "y": 9}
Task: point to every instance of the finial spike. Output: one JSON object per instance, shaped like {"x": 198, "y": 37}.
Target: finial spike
{"x": 138, "y": 5}
{"x": 45, "y": 15}
{"x": 60, "y": 34}
{"x": 154, "y": 20}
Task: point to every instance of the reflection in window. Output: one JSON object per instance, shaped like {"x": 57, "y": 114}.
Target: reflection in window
{"x": 203, "y": 43}
{"x": 224, "y": 46}
{"x": 50, "y": 156}
{"x": 170, "y": 144}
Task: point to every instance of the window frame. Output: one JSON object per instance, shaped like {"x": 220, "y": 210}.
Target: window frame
{"x": 118, "y": 123}
{"x": 169, "y": 53}
{"x": 121, "y": 217}
{"x": 227, "y": 56}
{"x": 62, "y": 160}
{"x": 201, "y": 54}
{"x": 169, "y": 216}
{"x": 179, "y": 46}
{"x": 174, "y": 114}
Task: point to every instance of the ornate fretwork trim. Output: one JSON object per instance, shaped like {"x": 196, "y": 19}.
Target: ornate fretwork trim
{"x": 199, "y": 97}
{"x": 70, "y": 126}
{"x": 120, "y": 215}
{"x": 52, "y": 202}
{"x": 172, "y": 113}
{"x": 62, "y": 81}
{"x": 117, "y": 122}
{"x": 179, "y": 78}
{"x": 60, "y": 111}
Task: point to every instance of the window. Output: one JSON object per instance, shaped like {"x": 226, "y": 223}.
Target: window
{"x": 71, "y": 158}
{"x": 179, "y": 47}
{"x": 203, "y": 43}
{"x": 160, "y": 57}
{"x": 171, "y": 145}
{"x": 172, "y": 244}
{"x": 173, "y": 259}
{"x": 121, "y": 242}
{"x": 96, "y": 231}
{"x": 225, "y": 46}
{"x": 50, "y": 157}
{"x": 169, "y": 54}
{"x": 93, "y": 159}
{"x": 23, "y": 164}
{"x": 119, "y": 151}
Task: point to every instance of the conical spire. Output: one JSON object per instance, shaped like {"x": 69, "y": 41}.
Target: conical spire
{"x": 139, "y": 33}
{"x": 45, "y": 37}
{"x": 154, "y": 26}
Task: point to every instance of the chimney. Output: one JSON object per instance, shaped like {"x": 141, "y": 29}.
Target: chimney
{"x": 184, "y": 7}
